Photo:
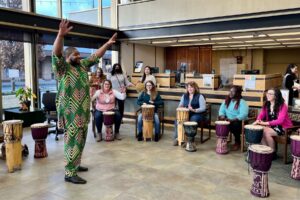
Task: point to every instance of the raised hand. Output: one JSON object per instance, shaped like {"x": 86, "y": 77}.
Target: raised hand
{"x": 64, "y": 28}
{"x": 112, "y": 40}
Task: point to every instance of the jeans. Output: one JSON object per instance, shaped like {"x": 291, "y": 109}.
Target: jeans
{"x": 121, "y": 107}
{"x": 99, "y": 120}
{"x": 194, "y": 117}
{"x": 156, "y": 124}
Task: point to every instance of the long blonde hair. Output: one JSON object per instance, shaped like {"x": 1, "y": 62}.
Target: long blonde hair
{"x": 153, "y": 90}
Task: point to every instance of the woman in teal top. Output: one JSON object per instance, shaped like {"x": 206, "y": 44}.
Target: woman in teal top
{"x": 234, "y": 109}
{"x": 151, "y": 97}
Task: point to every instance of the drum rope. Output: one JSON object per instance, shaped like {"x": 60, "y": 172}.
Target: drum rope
{"x": 296, "y": 157}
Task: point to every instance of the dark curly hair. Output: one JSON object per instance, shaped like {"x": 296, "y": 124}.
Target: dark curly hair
{"x": 144, "y": 75}
{"x": 113, "y": 71}
{"x": 279, "y": 101}
{"x": 237, "y": 97}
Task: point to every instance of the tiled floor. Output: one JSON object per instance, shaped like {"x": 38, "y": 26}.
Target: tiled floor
{"x": 132, "y": 170}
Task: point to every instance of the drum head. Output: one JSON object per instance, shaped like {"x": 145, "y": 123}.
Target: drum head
{"x": 147, "y": 106}
{"x": 263, "y": 149}
{"x": 109, "y": 113}
{"x": 222, "y": 122}
{"x": 182, "y": 109}
{"x": 190, "y": 123}
{"x": 295, "y": 137}
{"x": 254, "y": 127}
{"x": 39, "y": 125}
{"x": 14, "y": 121}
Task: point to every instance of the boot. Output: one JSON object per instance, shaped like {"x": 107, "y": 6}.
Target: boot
{"x": 99, "y": 137}
{"x": 140, "y": 137}
{"x": 156, "y": 137}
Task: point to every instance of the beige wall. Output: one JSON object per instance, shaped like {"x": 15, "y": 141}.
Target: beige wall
{"x": 150, "y": 55}
{"x": 276, "y": 60}
{"x": 159, "y": 10}
{"x": 268, "y": 61}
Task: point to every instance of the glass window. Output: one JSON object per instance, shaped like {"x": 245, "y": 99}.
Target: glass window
{"x": 46, "y": 7}
{"x": 85, "y": 11}
{"x": 12, "y": 70}
{"x": 15, "y": 4}
{"x": 106, "y": 12}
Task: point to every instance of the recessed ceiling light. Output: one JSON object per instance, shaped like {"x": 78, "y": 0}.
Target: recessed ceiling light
{"x": 283, "y": 34}
{"x": 287, "y": 39}
{"x": 220, "y": 38}
{"x": 291, "y": 43}
{"x": 242, "y": 45}
{"x": 231, "y": 42}
{"x": 254, "y": 41}
{"x": 267, "y": 44}
{"x": 164, "y": 42}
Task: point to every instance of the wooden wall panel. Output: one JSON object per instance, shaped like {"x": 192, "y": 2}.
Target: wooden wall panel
{"x": 193, "y": 59}
{"x": 171, "y": 58}
{"x": 198, "y": 58}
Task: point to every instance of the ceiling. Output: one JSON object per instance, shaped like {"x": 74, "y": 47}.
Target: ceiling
{"x": 260, "y": 39}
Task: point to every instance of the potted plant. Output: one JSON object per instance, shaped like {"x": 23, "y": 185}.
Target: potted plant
{"x": 24, "y": 95}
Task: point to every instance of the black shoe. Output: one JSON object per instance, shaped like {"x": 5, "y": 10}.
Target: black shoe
{"x": 82, "y": 169}
{"x": 75, "y": 179}
{"x": 156, "y": 137}
{"x": 140, "y": 137}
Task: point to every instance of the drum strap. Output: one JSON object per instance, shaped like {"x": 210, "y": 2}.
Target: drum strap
{"x": 263, "y": 172}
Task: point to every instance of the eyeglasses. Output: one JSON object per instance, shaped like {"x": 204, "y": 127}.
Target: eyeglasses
{"x": 270, "y": 94}
{"x": 149, "y": 85}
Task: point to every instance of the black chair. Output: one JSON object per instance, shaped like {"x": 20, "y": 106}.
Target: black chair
{"x": 50, "y": 110}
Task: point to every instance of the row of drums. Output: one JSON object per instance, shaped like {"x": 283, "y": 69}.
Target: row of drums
{"x": 260, "y": 156}
{"x": 13, "y": 133}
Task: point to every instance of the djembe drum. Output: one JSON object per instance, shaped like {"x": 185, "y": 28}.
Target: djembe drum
{"x": 295, "y": 149}
{"x": 222, "y": 131}
{"x": 253, "y": 133}
{"x": 190, "y": 129}
{"x": 39, "y": 133}
{"x": 148, "y": 115}
{"x": 13, "y": 132}
{"x": 261, "y": 160}
{"x": 108, "y": 120}
{"x": 182, "y": 115}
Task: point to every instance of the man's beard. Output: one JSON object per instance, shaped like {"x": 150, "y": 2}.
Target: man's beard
{"x": 74, "y": 62}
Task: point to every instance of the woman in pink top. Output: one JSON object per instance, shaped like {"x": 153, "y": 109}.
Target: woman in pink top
{"x": 274, "y": 116}
{"x": 106, "y": 101}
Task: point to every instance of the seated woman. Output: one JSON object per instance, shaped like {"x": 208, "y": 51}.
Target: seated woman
{"x": 96, "y": 81}
{"x": 274, "y": 116}
{"x": 234, "y": 109}
{"x": 106, "y": 101}
{"x": 147, "y": 76}
{"x": 149, "y": 96}
{"x": 196, "y": 104}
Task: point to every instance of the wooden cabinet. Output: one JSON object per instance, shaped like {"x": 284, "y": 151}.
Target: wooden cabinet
{"x": 197, "y": 58}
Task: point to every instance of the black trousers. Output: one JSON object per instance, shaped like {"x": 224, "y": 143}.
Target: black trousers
{"x": 121, "y": 107}
{"x": 235, "y": 127}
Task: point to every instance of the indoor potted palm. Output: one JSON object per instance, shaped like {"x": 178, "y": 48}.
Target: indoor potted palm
{"x": 25, "y": 95}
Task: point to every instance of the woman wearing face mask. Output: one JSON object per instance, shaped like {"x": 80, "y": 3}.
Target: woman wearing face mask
{"x": 196, "y": 104}
{"x": 147, "y": 76}
{"x": 105, "y": 101}
{"x": 234, "y": 109}
{"x": 291, "y": 76}
{"x": 274, "y": 116}
{"x": 120, "y": 83}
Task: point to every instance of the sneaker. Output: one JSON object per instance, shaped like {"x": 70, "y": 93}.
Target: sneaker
{"x": 118, "y": 136}
{"x": 99, "y": 137}
{"x": 75, "y": 179}
{"x": 175, "y": 142}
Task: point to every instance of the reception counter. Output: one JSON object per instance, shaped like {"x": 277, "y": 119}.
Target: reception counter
{"x": 162, "y": 79}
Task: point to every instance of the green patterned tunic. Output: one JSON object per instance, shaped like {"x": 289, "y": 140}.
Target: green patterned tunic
{"x": 73, "y": 107}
